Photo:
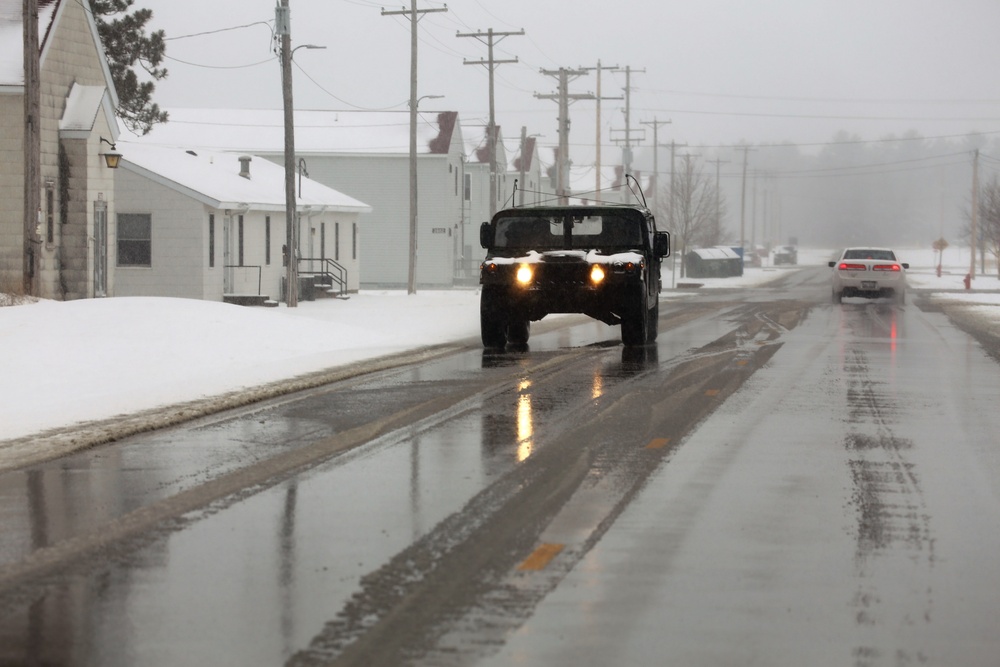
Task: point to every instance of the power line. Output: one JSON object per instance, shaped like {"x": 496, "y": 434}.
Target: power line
{"x": 190, "y": 64}
{"x": 215, "y": 32}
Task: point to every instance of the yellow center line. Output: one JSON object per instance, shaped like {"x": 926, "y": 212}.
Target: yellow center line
{"x": 658, "y": 443}
{"x": 541, "y": 557}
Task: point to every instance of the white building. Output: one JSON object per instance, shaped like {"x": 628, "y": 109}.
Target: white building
{"x": 366, "y": 156}
{"x": 209, "y": 225}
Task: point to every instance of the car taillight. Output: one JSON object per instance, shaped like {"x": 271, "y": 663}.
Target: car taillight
{"x": 844, "y": 266}
{"x": 886, "y": 267}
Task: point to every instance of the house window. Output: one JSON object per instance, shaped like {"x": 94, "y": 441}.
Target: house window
{"x": 240, "y": 239}
{"x": 336, "y": 241}
{"x": 211, "y": 240}
{"x": 354, "y": 240}
{"x": 322, "y": 241}
{"x": 267, "y": 240}
{"x": 135, "y": 239}
{"x": 468, "y": 187}
{"x": 50, "y": 215}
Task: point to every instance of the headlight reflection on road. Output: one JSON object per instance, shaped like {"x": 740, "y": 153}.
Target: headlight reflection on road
{"x": 524, "y": 424}
{"x": 597, "y": 388}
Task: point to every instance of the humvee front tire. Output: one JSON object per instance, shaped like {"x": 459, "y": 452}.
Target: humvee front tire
{"x": 492, "y": 319}
{"x": 635, "y": 320}
{"x": 518, "y": 331}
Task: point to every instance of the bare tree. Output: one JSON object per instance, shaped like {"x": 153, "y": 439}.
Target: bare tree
{"x": 696, "y": 214}
{"x": 989, "y": 219}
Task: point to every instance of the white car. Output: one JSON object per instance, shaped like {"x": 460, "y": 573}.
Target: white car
{"x": 869, "y": 273}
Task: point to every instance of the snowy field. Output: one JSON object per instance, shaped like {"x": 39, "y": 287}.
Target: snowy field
{"x": 68, "y": 362}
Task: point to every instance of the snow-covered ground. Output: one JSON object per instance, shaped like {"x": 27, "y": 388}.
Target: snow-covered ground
{"x": 68, "y": 362}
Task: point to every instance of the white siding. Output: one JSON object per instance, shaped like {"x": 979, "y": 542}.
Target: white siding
{"x": 382, "y": 181}
{"x": 179, "y": 243}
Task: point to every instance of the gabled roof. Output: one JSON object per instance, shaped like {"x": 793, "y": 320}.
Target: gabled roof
{"x": 263, "y": 131}
{"x": 213, "y": 178}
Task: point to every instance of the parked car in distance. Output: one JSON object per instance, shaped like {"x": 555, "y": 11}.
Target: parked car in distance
{"x": 869, "y": 273}
{"x": 786, "y": 254}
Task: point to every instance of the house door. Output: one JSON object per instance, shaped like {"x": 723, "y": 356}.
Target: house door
{"x": 100, "y": 248}
{"x": 227, "y": 255}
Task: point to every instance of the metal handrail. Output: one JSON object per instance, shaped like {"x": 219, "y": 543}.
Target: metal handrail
{"x": 331, "y": 270}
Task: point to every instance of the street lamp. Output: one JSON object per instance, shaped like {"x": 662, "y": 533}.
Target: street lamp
{"x": 414, "y": 103}
{"x": 113, "y": 157}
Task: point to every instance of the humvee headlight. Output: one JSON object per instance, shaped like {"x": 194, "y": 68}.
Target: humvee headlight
{"x": 596, "y": 274}
{"x": 524, "y": 274}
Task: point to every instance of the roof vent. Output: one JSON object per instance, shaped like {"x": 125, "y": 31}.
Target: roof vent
{"x": 245, "y": 166}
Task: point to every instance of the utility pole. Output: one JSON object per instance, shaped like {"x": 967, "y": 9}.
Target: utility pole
{"x": 627, "y": 150}
{"x": 491, "y": 129}
{"x": 655, "y": 124}
{"x": 564, "y": 76}
{"x": 414, "y": 15}
{"x": 32, "y": 144}
{"x": 283, "y": 28}
{"x": 718, "y": 197}
{"x": 520, "y": 164}
{"x": 975, "y": 216}
{"x": 743, "y": 198}
{"x": 597, "y": 145}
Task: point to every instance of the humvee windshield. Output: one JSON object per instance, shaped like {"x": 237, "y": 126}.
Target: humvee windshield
{"x": 567, "y": 232}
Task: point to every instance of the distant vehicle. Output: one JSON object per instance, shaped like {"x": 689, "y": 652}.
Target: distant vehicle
{"x": 602, "y": 261}
{"x": 786, "y": 254}
{"x": 869, "y": 273}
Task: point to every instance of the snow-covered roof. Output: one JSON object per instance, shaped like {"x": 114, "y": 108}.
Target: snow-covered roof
{"x": 213, "y": 177}
{"x": 82, "y": 106}
{"x": 12, "y": 37}
{"x": 716, "y": 252}
{"x": 316, "y": 131}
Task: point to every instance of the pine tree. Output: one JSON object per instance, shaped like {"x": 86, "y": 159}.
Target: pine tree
{"x": 126, "y": 45}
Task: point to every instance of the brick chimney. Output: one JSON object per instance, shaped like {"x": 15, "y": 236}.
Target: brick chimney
{"x": 245, "y": 166}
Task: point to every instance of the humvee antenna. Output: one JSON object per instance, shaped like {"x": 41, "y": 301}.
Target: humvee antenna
{"x": 641, "y": 196}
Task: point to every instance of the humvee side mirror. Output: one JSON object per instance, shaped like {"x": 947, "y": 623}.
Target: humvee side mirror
{"x": 486, "y": 235}
{"x": 661, "y": 244}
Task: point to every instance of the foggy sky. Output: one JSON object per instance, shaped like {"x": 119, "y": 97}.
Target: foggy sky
{"x": 723, "y": 72}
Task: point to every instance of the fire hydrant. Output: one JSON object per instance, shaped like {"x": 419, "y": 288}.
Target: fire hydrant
{"x": 967, "y": 280}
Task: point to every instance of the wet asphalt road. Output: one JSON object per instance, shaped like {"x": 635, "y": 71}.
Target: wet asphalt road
{"x": 519, "y": 508}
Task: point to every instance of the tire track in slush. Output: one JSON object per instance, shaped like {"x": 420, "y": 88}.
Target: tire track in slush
{"x": 893, "y": 521}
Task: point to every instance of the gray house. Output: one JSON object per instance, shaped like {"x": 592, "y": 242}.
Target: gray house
{"x": 209, "y": 225}
{"x": 366, "y": 156}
